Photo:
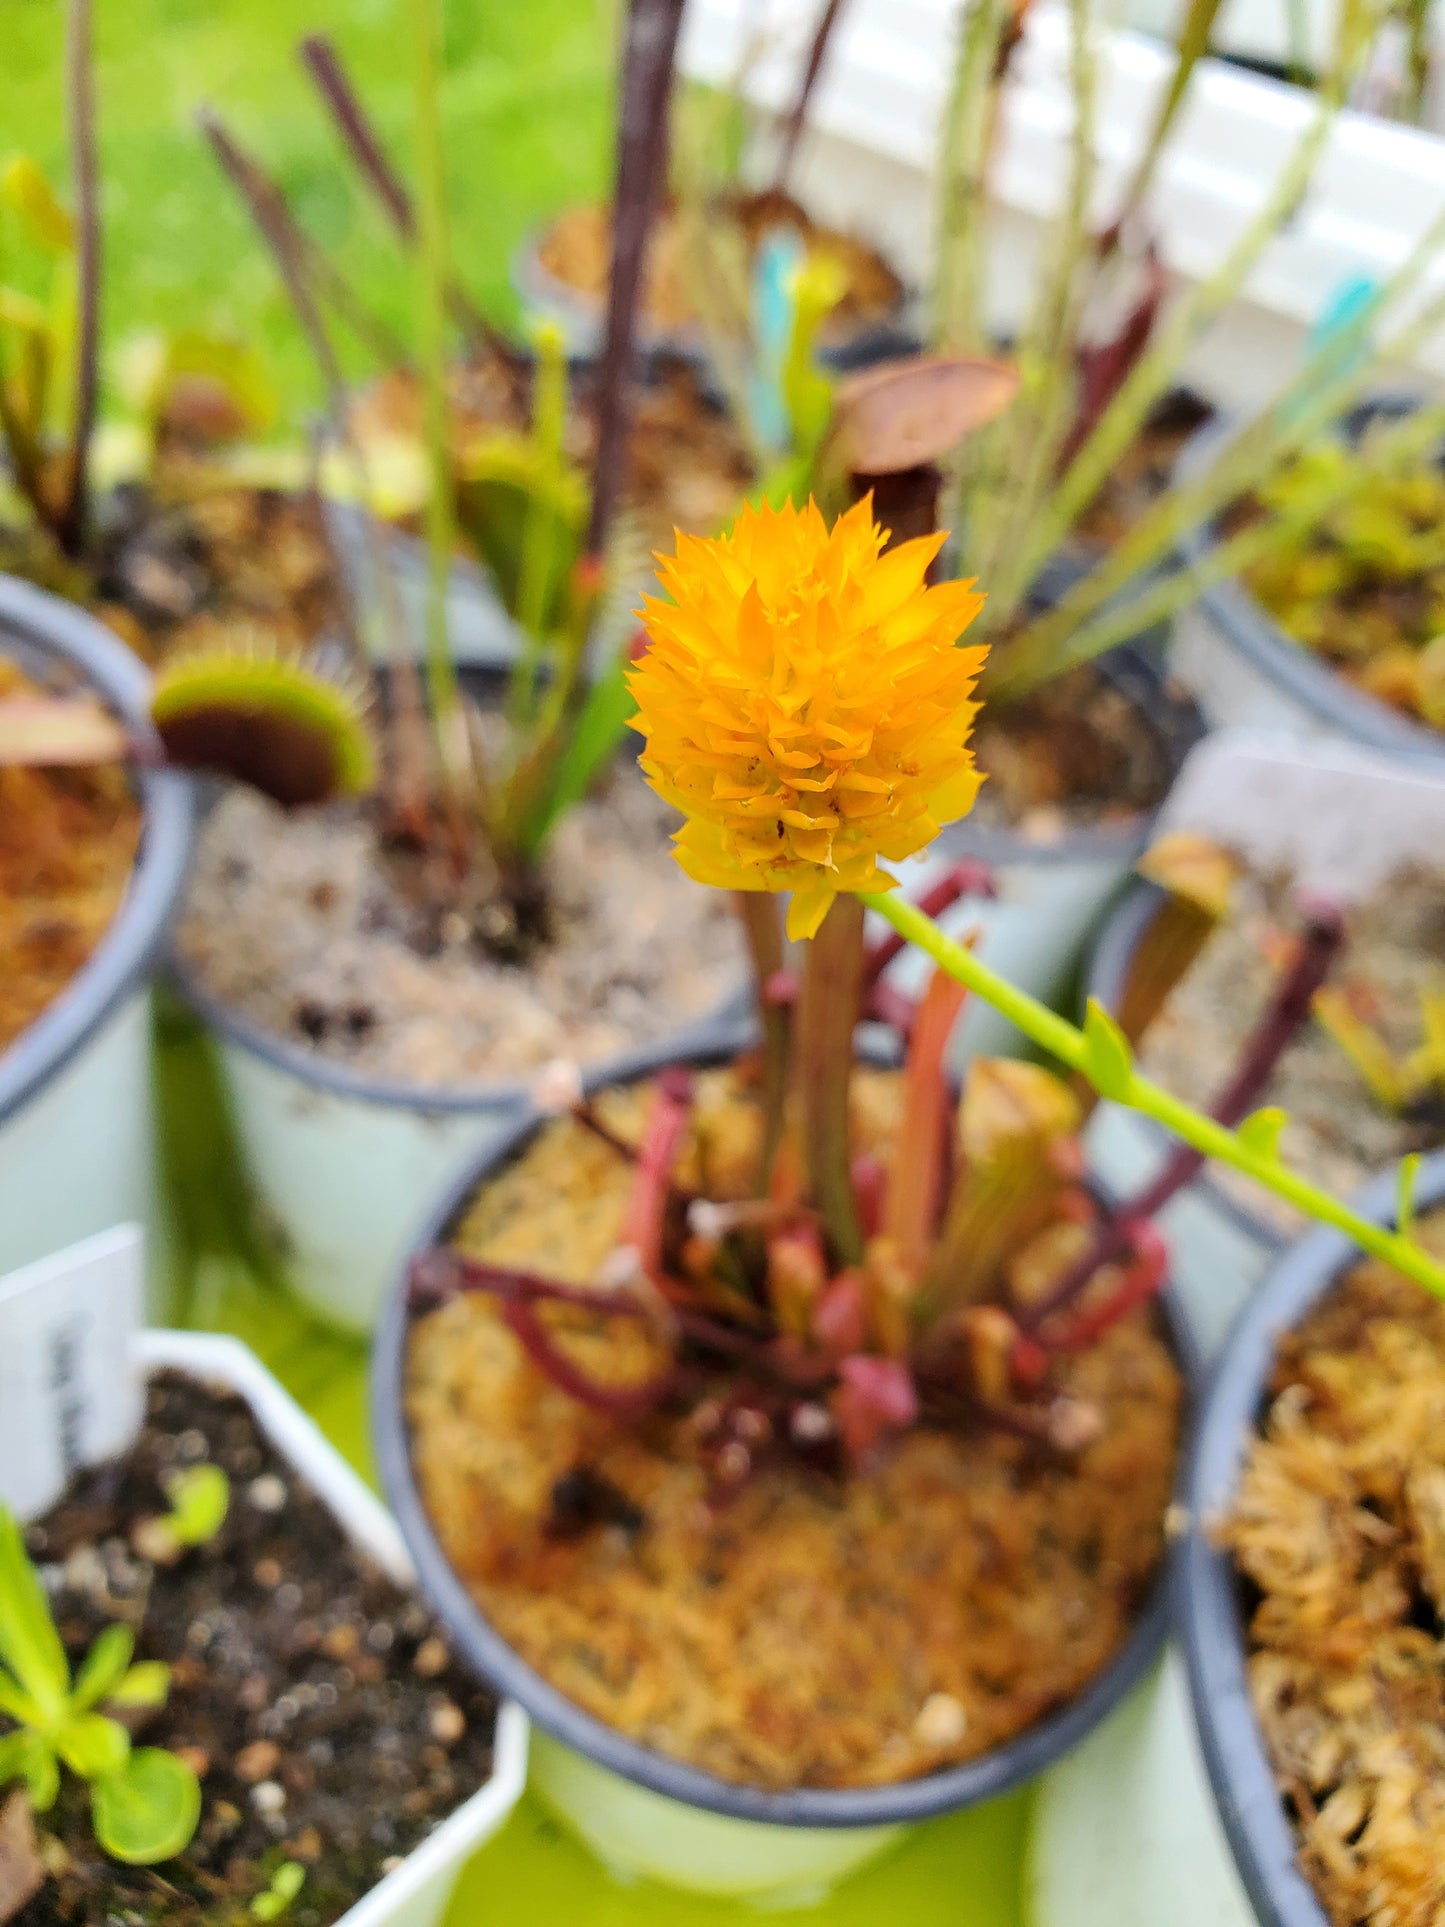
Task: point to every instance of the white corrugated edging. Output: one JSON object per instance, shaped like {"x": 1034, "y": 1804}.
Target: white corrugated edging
{"x": 875, "y": 134}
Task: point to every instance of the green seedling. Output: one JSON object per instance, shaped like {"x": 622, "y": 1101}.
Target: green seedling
{"x": 200, "y": 1498}
{"x": 286, "y": 1882}
{"x": 145, "y": 1803}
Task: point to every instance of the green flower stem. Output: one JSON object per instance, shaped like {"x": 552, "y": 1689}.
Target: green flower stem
{"x": 1101, "y": 1054}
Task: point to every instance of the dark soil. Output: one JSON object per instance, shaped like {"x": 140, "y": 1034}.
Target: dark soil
{"x": 1074, "y": 753}
{"x": 317, "y": 1700}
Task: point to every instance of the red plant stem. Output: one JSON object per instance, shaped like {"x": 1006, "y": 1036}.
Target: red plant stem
{"x": 827, "y": 1012}
{"x": 355, "y": 127}
{"x": 438, "y": 1274}
{"x": 80, "y": 106}
{"x": 614, "y": 1401}
{"x": 642, "y": 144}
{"x": 1288, "y": 1009}
{"x": 917, "y": 1169}
{"x": 798, "y": 116}
{"x": 758, "y": 913}
{"x": 967, "y": 878}
{"x": 1140, "y": 1282}
{"x": 266, "y": 203}
{"x": 644, "y": 1224}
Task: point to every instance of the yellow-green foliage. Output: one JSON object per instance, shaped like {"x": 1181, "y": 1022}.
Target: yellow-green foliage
{"x": 1364, "y": 586}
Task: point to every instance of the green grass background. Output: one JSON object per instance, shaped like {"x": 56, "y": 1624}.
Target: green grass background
{"x": 526, "y": 101}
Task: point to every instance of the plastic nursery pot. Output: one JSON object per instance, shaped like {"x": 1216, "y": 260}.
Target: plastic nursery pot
{"x": 76, "y": 1113}
{"x": 1210, "y": 1614}
{"x": 1140, "y": 1778}
{"x": 1050, "y": 896}
{"x": 1244, "y": 668}
{"x": 643, "y": 1812}
{"x": 415, "y": 1893}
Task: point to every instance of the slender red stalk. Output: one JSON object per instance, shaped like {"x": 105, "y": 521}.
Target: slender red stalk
{"x": 762, "y": 926}
{"x": 1138, "y": 1285}
{"x": 642, "y": 144}
{"x": 827, "y": 1012}
{"x": 918, "y": 1166}
{"x": 798, "y": 115}
{"x": 645, "y": 1223}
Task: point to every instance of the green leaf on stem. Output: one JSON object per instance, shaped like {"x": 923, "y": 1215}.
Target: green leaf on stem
{"x": 93, "y": 1746}
{"x": 29, "y": 1758}
{"x": 1108, "y": 1061}
{"x": 149, "y": 1810}
{"x": 1259, "y": 1133}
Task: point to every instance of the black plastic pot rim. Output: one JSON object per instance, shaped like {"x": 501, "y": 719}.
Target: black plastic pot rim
{"x": 1290, "y": 665}
{"x": 1105, "y": 980}
{"x": 47, "y": 629}
{"x": 1250, "y": 1802}
{"x": 947, "y": 1791}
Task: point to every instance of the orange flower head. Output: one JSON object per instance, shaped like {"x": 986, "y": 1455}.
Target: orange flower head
{"x": 805, "y": 703}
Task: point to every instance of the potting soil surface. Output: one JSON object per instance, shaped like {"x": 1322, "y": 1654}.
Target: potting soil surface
{"x": 964, "y": 1870}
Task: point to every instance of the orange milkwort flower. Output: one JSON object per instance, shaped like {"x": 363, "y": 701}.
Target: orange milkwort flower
{"x": 805, "y": 703}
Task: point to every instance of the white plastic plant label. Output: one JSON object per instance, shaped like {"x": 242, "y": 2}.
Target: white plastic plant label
{"x": 70, "y": 1391}
{"x": 1339, "y": 818}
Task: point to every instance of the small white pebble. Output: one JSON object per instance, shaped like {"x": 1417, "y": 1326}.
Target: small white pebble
{"x": 268, "y": 1493}
{"x": 941, "y": 1721}
{"x": 84, "y": 1571}
{"x": 447, "y": 1723}
{"x": 269, "y": 1798}
{"x": 811, "y": 1423}
{"x": 391, "y": 1863}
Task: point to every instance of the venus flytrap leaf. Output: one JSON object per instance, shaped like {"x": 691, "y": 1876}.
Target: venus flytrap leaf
{"x": 144, "y": 1685}
{"x": 148, "y": 1811}
{"x": 29, "y": 1643}
{"x": 93, "y": 1746}
{"x": 145, "y": 1805}
{"x": 103, "y": 1667}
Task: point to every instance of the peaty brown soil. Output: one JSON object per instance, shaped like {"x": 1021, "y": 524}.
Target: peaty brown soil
{"x": 67, "y": 845}
{"x": 811, "y": 1630}
{"x": 306, "y": 925}
{"x": 1073, "y": 754}
{"x": 1337, "y": 1134}
{"x": 317, "y": 1700}
{"x": 1339, "y": 1532}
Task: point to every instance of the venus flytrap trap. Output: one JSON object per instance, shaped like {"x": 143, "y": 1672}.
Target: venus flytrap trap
{"x": 145, "y": 1802}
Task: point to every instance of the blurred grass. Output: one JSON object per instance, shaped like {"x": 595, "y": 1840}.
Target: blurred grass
{"x": 526, "y": 104}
